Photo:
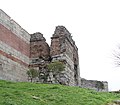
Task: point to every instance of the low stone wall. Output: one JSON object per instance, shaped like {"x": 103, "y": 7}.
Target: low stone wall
{"x": 94, "y": 84}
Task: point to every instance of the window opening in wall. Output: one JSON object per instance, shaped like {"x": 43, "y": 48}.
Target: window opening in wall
{"x": 76, "y": 74}
{"x": 1, "y": 66}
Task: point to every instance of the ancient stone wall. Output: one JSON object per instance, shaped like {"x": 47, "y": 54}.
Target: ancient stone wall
{"x": 94, "y": 84}
{"x": 12, "y": 70}
{"x": 20, "y": 51}
{"x": 14, "y": 49}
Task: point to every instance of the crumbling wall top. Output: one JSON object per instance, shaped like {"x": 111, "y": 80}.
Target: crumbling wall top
{"x": 61, "y": 31}
{"x": 37, "y": 37}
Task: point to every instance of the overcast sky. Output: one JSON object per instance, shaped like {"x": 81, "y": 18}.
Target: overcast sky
{"x": 94, "y": 24}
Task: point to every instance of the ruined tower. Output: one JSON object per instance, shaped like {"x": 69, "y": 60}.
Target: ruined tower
{"x": 39, "y": 55}
{"x": 63, "y": 48}
{"x": 39, "y": 49}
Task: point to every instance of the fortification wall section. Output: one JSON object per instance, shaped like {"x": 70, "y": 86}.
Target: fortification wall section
{"x": 5, "y": 48}
{"x": 94, "y": 84}
{"x": 67, "y": 76}
{"x": 14, "y": 49}
{"x": 13, "y": 41}
{"x": 73, "y": 66}
{"x": 11, "y": 70}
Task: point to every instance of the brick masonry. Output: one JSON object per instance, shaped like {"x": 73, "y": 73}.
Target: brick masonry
{"x": 39, "y": 47}
{"x": 14, "y": 41}
{"x": 12, "y": 70}
{"x": 63, "y": 48}
{"x": 14, "y": 49}
{"x": 13, "y": 52}
{"x": 13, "y": 58}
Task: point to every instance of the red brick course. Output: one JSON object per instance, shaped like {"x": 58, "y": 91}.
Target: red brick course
{"x": 13, "y": 58}
{"x": 14, "y": 41}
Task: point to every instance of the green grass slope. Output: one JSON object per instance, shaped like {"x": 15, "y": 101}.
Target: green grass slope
{"x": 24, "y": 93}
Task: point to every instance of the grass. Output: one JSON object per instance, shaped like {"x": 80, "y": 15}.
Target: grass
{"x": 24, "y": 93}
